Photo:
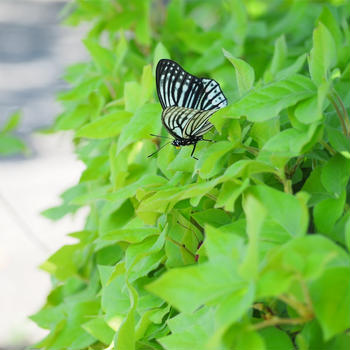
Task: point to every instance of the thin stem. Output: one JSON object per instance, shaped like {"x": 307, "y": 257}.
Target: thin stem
{"x": 254, "y": 151}
{"x": 188, "y": 228}
{"x": 210, "y": 196}
{"x": 110, "y": 89}
{"x": 275, "y": 321}
{"x": 287, "y": 184}
{"x": 291, "y": 172}
{"x": 328, "y": 147}
{"x": 340, "y": 115}
{"x": 180, "y": 246}
{"x": 345, "y": 113}
{"x": 304, "y": 310}
{"x": 294, "y": 303}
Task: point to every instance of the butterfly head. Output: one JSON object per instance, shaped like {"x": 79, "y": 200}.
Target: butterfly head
{"x": 177, "y": 143}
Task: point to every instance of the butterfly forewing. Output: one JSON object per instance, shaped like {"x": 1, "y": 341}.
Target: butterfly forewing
{"x": 176, "y": 87}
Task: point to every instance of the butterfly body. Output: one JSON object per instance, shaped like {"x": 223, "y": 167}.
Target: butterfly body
{"x": 188, "y": 102}
{"x": 186, "y": 142}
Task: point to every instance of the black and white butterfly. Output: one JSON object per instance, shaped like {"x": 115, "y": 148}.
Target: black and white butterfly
{"x": 188, "y": 102}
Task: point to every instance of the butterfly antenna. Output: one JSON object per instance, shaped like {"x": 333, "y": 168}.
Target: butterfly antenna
{"x": 158, "y": 149}
{"x": 162, "y": 137}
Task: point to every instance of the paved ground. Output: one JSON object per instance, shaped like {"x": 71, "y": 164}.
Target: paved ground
{"x": 34, "y": 50}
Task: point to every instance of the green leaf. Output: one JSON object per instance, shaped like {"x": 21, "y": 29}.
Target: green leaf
{"x": 214, "y": 217}
{"x": 11, "y": 145}
{"x": 311, "y": 110}
{"x": 276, "y": 339}
{"x": 143, "y": 25}
{"x": 307, "y": 111}
{"x": 313, "y": 185}
{"x": 132, "y": 96}
{"x": 245, "y": 168}
{"x": 294, "y": 68}
{"x": 290, "y": 143}
{"x": 244, "y": 73}
{"x": 99, "y": 329}
{"x": 73, "y": 119}
{"x": 335, "y": 174}
{"x": 266, "y": 102}
{"x": 189, "y": 331}
{"x": 327, "y": 18}
{"x": 12, "y": 122}
{"x": 323, "y": 54}
{"x": 103, "y": 58}
{"x": 283, "y": 208}
{"x": 278, "y": 58}
{"x": 188, "y": 288}
{"x": 307, "y": 256}
{"x": 65, "y": 262}
{"x": 332, "y": 313}
{"x": 107, "y": 126}
{"x": 160, "y": 52}
{"x": 125, "y": 338}
{"x": 147, "y": 83}
{"x": 311, "y": 337}
{"x": 339, "y": 141}
{"x": 250, "y": 340}
{"x": 114, "y": 298}
{"x": 255, "y": 213}
{"x": 130, "y": 235}
{"x": 263, "y": 131}
{"x": 209, "y": 158}
{"x": 229, "y": 193}
{"x": 145, "y": 121}
{"x": 327, "y": 212}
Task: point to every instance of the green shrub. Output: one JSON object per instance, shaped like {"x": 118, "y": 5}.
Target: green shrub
{"x": 268, "y": 199}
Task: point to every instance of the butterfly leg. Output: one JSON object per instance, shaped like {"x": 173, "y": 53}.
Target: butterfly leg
{"x": 194, "y": 147}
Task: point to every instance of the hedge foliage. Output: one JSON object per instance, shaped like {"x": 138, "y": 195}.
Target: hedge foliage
{"x": 246, "y": 248}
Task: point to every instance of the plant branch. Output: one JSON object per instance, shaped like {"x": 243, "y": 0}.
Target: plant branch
{"x": 291, "y": 172}
{"x": 276, "y": 321}
{"x": 345, "y": 113}
{"x": 328, "y": 147}
{"x": 340, "y": 115}
{"x": 254, "y": 151}
{"x": 110, "y": 89}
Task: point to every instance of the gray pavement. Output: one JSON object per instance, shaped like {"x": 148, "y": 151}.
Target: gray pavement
{"x": 34, "y": 50}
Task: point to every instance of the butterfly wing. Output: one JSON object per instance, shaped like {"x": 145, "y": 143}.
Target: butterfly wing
{"x": 198, "y": 124}
{"x": 186, "y": 123}
{"x": 176, "y": 87}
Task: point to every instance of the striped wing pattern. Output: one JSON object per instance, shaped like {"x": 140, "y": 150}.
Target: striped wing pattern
{"x": 176, "y": 87}
{"x": 188, "y": 102}
{"x": 186, "y": 123}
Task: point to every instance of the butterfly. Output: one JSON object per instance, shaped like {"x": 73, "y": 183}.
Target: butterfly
{"x": 188, "y": 102}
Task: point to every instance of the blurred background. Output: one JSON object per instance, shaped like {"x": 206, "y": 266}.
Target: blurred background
{"x": 34, "y": 51}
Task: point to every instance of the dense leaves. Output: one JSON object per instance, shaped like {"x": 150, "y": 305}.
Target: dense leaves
{"x": 246, "y": 248}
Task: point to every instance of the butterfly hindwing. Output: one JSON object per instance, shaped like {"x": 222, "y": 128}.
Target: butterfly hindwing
{"x": 186, "y": 123}
{"x": 176, "y": 87}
